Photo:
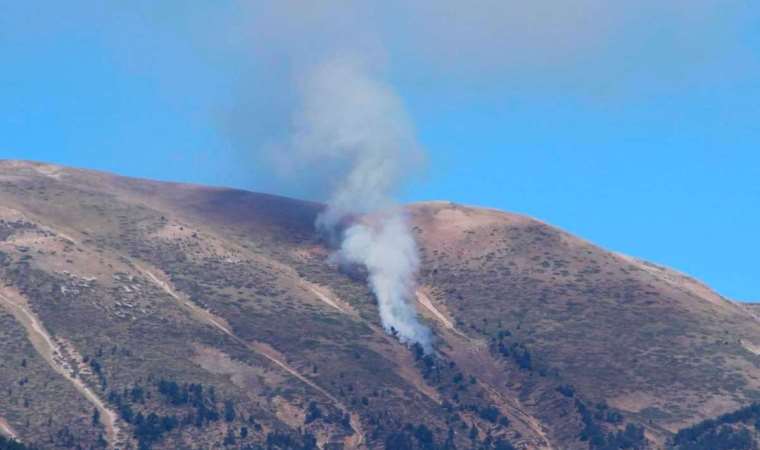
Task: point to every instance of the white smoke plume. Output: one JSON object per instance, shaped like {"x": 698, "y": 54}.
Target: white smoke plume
{"x": 354, "y": 130}
{"x": 388, "y": 251}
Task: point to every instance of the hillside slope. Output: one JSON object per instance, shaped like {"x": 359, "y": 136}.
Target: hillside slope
{"x": 138, "y": 313}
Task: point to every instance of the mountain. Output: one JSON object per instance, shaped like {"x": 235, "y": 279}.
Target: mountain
{"x": 141, "y": 314}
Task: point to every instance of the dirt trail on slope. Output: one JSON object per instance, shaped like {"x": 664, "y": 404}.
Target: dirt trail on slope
{"x": 220, "y": 324}
{"x": 7, "y": 430}
{"x": 320, "y": 295}
{"x": 260, "y": 348}
{"x": 517, "y": 412}
{"x": 328, "y": 298}
{"x": 278, "y": 359}
{"x": 424, "y": 300}
{"x": 52, "y": 354}
{"x": 195, "y": 310}
{"x": 355, "y": 441}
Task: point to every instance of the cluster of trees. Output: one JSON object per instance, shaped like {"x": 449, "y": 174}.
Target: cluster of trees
{"x": 420, "y": 437}
{"x": 413, "y": 438}
{"x": 498, "y": 444}
{"x": 12, "y": 444}
{"x": 285, "y": 441}
{"x": 516, "y": 351}
{"x": 721, "y": 433}
{"x": 150, "y": 428}
{"x": 97, "y": 369}
{"x": 723, "y": 438}
{"x": 188, "y": 393}
{"x": 466, "y": 394}
{"x": 519, "y": 353}
{"x": 428, "y": 363}
{"x": 312, "y": 413}
{"x": 488, "y": 413}
{"x": 566, "y": 390}
{"x": 632, "y": 437}
{"x": 203, "y": 401}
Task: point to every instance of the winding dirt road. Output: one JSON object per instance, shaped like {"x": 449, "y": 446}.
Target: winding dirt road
{"x": 51, "y": 353}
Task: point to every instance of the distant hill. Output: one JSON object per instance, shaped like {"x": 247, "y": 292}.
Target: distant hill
{"x": 139, "y": 314}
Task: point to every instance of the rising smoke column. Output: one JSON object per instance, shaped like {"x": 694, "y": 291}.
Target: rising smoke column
{"x": 355, "y": 131}
{"x": 388, "y": 251}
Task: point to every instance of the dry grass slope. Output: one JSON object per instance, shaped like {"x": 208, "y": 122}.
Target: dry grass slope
{"x": 193, "y": 317}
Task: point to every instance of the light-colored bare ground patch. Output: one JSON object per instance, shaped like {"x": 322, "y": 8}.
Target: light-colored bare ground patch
{"x": 48, "y": 170}
{"x": 206, "y": 245}
{"x": 311, "y": 252}
{"x": 752, "y": 348}
{"x": 49, "y": 254}
{"x": 711, "y": 408}
{"x": 460, "y": 229}
{"x": 55, "y": 253}
{"x": 174, "y": 230}
{"x": 252, "y": 379}
{"x": 634, "y": 402}
{"x": 289, "y": 413}
{"x": 448, "y": 225}
{"x": 7, "y": 430}
{"x": 10, "y": 214}
{"x": 54, "y": 354}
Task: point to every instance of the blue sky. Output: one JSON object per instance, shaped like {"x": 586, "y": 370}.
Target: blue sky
{"x": 635, "y": 127}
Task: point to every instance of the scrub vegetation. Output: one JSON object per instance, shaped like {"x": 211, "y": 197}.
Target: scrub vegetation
{"x": 145, "y": 315}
